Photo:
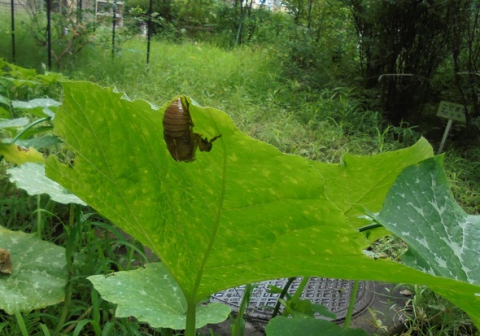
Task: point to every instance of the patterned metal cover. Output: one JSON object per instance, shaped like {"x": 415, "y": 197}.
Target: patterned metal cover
{"x": 332, "y": 293}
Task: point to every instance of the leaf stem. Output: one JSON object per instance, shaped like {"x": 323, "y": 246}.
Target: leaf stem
{"x": 36, "y": 122}
{"x": 39, "y": 218}
{"x": 296, "y": 296}
{"x": 74, "y": 229}
{"x": 369, "y": 227}
{"x": 26, "y": 128}
{"x": 300, "y": 289}
{"x": 190, "y": 325}
{"x": 193, "y": 299}
{"x": 351, "y": 304}
{"x": 282, "y": 295}
{"x": 238, "y": 329}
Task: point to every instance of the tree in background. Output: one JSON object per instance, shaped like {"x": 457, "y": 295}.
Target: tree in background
{"x": 403, "y": 37}
{"x": 322, "y": 44}
{"x": 69, "y": 32}
{"x": 164, "y": 14}
{"x": 179, "y": 18}
{"x": 197, "y": 17}
{"x": 465, "y": 57}
{"x": 238, "y": 21}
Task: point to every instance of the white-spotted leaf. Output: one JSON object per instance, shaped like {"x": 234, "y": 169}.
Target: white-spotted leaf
{"x": 153, "y": 296}
{"x": 443, "y": 240}
{"x": 39, "y": 272}
{"x": 31, "y": 178}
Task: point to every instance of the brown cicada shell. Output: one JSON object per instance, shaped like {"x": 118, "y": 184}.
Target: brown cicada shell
{"x": 5, "y": 261}
{"x": 178, "y": 133}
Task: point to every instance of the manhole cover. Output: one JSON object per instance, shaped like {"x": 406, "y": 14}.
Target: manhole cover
{"x": 332, "y": 293}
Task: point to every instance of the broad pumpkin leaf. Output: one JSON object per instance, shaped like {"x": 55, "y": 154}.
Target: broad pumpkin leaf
{"x": 31, "y": 178}
{"x": 39, "y": 272}
{"x": 443, "y": 240}
{"x": 20, "y": 155}
{"x": 14, "y": 123}
{"x": 40, "y": 107}
{"x": 362, "y": 182}
{"x": 39, "y": 142}
{"x": 35, "y": 103}
{"x": 242, "y": 213}
{"x": 285, "y": 326}
{"x": 147, "y": 291}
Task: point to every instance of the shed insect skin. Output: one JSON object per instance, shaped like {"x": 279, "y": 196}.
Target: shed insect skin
{"x": 178, "y": 133}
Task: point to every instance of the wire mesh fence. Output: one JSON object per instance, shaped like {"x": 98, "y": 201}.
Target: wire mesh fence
{"x": 64, "y": 27}
{"x": 6, "y": 5}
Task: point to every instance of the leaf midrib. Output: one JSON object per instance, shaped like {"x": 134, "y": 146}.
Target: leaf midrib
{"x": 213, "y": 236}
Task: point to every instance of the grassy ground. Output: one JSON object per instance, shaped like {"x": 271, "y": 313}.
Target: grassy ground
{"x": 247, "y": 83}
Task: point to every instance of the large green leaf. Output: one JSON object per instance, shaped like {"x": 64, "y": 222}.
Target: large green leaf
{"x": 443, "y": 240}
{"x": 362, "y": 182}
{"x": 14, "y": 123}
{"x": 239, "y": 213}
{"x": 20, "y": 155}
{"x": 39, "y": 142}
{"x": 153, "y": 296}
{"x": 35, "y": 103}
{"x": 41, "y": 107}
{"x": 31, "y": 178}
{"x": 39, "y": 272}
{"x": 243, "y": 212}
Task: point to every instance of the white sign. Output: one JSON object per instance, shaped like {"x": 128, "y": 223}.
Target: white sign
{"x": 452, "y": 111}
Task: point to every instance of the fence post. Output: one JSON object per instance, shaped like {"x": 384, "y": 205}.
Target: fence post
{"x": 149, "y": 32}
{"x": 12, "y": 12}
{"x": 114, "y": 26}
{"x": 49, "y": 34}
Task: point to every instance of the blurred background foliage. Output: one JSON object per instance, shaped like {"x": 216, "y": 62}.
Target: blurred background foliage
{"x": 316, "y": 78}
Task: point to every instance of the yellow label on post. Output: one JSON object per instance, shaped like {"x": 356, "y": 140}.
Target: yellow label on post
{"x": 452, "y": 111}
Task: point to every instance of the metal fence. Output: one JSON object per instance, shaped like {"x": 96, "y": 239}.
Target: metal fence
{"x": 6, "y": 5}
{"x": 108, "y": 11}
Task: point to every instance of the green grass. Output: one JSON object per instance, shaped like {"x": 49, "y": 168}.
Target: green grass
{"x": 431, "y": 315}
{"x": 251, "y": 86}
{"x": 462, "y": 166}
